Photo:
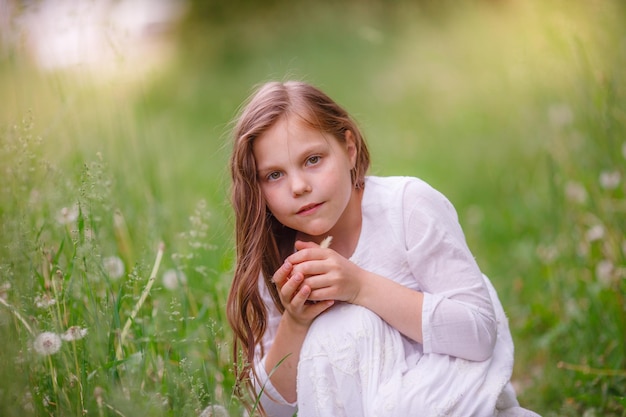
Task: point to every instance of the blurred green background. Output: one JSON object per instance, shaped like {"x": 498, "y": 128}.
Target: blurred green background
{"x": 516, "y": 110}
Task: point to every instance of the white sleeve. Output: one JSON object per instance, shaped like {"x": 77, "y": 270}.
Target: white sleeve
{"x": 273, "y": 403}
{"x": 457, "y": 316}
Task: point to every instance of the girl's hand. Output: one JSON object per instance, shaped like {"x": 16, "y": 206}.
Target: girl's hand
{"x": 294, "y": 294}
{"x": 327, "y": 274}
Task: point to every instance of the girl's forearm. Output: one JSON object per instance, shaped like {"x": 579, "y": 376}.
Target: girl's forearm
{"x": 281, "y": 362}
{"x": 398, "y": 305}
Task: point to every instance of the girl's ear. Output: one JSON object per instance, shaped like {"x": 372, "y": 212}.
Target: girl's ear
{"x": 351, "y": 147}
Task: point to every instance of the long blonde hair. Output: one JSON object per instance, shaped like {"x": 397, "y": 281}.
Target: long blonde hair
{"x": 261, "y": 241}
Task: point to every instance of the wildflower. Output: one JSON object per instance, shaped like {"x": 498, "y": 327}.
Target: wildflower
{"x": 67, "y": 215}
{"x": 172, "y": 278}
{"x": 214, "y": 411}
{"x": 74, "y": 333}
{"x": 113, "y": 266}
{"x": 595, "y": 233}
{"x": 609, "y": 180}
{"x": 47, "y": 343}
{"x": 44, "y": 301}
{"x": 575, "y": 192}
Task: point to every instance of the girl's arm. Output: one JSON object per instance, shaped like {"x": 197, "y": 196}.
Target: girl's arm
{"x": 335, "y": 277}
{"x": 281, "y": 360}
{"x": 451, "y": 314}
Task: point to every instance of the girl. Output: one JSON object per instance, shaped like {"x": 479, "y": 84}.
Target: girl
{"x": 394, "y": 318}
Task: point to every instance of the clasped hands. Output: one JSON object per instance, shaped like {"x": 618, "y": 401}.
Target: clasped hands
{"x": 313, "y": 278}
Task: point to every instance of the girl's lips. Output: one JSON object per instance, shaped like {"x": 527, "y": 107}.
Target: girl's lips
{"x": 308, "y": 209}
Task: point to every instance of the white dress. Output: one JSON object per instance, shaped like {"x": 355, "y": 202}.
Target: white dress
{"x": 352, "y": 363}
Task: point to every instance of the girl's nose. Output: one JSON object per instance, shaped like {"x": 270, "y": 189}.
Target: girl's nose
{"x": 299, "y": 186}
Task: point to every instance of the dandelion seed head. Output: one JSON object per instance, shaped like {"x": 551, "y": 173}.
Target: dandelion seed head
{"x": 113, "y": 266}
{"x": 604, "y": 271}
{"x": 98, "y": 393}
{"x": 44, "y": 301}
{"x": 74, "y": 333}
{"x": 609, "y": 180}
{"x": 173, "y": 278}
{"x": 575, "y": 192}
{"x": 214, "y": 411}
{"x": 47, "y": 343}
{"x": 27, "y": 402}
{"x": 595, "y": 233}
{"x": 547, "y": 253}
{"x": 67, "y": 215}
{"x": 4, "y": 290}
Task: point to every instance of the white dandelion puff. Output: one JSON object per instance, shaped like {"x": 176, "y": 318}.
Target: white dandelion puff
{"x": 609, "y": 180}
{"x": 604, "y": 271}
{"x": 74, "y": 333}
{"x": 45, "y": 301}
{"x": 547, "y": 253}
{"x": 575, "y": 192}
{"x": 214, "y": 411}
{"x": 47, "y": 343}
{"x": 67, "y": 215}
{"x": 27, "y": 402}
{"x": 173, "y": 278}
{"x": 595, "y": 233}
{"x": 113, "y": 266}
{"x": 4, "y": 290}
{"x": 98, "y": 393}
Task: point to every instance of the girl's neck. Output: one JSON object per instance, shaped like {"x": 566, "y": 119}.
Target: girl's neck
{"x": 346, "y": 231}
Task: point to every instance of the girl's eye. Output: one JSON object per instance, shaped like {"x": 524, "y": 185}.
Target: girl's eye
{"x": 313, "y": 160}
{"x": 273, "y": 176}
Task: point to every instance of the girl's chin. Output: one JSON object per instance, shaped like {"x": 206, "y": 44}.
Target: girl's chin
{"x": 310, "y": 233}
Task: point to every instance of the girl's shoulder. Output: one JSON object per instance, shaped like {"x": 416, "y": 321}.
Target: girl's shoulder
{"x": 409, "y": 194}
{"x": 400, "y": 186}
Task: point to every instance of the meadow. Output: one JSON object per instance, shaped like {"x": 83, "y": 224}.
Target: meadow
{"x": 116, "y": 238}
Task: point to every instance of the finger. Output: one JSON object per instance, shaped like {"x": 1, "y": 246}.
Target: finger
{"x": 291, "y": 286}
{"x": 320, "y": 294}
{"x": 314, "y": 267}
{"x": 300, "y": 297}
{"x": 299, "y": 245}
{"x": 306, "y": 254}
{"x": 281, "y": 275}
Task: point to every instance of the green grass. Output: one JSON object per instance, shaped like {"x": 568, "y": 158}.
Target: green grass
{"x": 503, "y": 106}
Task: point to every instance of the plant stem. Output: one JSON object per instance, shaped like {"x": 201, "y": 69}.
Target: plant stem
{"x": 17, "y": 315}
{"x": 141, "y": 300}
{"x": 589, "y": 370}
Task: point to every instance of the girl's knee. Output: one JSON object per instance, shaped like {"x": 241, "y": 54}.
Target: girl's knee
{"x": 345, "y": 320}
{"x": 344, "y": 327}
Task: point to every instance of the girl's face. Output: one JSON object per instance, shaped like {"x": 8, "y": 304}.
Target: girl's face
{"x": 305, "y": 176}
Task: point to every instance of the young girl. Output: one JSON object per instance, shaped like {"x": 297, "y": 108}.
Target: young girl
{"x": 394, "y": 318}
